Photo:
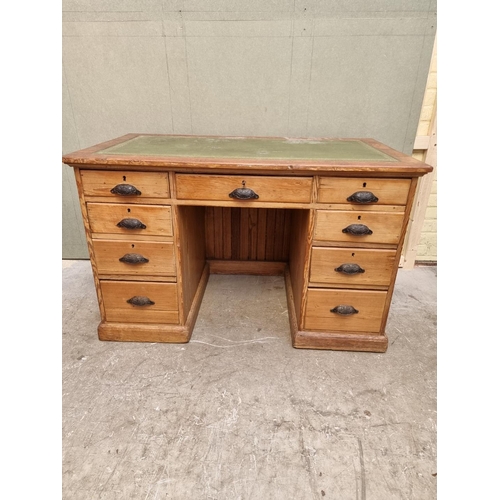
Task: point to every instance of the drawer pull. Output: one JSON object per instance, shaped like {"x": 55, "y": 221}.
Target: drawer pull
{"x": 363, "y": 197}
{"x": 139, "y": 300}
{"x": 126, "y": 190}
{"x": 344, "y": 310}
{"x": 350, "y": 269}
{"x": 357, "y": 229}
{"x": 133, "y": 258}
{"x": 244, "y": 193}
{"x": 131, "y": 224}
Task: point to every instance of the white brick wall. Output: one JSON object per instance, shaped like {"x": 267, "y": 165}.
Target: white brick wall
{"x": 427, "y": 247}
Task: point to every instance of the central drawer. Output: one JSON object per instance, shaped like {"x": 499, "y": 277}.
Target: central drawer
{"x": 150, "y": 302}
{"x": 229, "y": 187}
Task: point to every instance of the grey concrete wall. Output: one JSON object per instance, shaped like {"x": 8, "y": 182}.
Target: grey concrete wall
{"x": 345, "y": 68}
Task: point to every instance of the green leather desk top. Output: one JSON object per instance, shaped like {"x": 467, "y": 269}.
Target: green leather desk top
{"x": 268, "y": 155}
{"x": 244, "y": 147}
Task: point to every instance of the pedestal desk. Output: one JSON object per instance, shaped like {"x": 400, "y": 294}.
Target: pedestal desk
{"x": 162, "y": 212}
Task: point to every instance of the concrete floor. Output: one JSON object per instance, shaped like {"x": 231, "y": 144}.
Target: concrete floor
{"x": 238, "y": 413}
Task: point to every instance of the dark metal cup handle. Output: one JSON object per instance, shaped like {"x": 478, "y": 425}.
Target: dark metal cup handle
{"x": 244, "y": 193}
{"x": 357, "y": 229}
{"x": 131, "y": 224}
{"x": 139, "y": 300}
{"x": 344, "y": 310}
{"x": 133, "y": 258}
{"x": 350, "y": 269}
{"x": 125, "y": 190}
{"x": 363, "y": 197}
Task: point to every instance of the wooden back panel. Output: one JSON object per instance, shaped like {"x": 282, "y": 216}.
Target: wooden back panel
{"x": 247, "y": 233}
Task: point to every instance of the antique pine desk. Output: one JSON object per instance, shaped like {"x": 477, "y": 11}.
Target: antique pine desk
{"x": 162, "y": 212}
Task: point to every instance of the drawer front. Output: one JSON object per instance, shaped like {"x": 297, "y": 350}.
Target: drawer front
{"x": 387, "y": 191}
{"x": 148, "y": 184}
{"x": 134, "y": 257}
{"x": 104, "y": 218}
{"x": 333, "y": 225}
{"x": 369, "y": 304}
{"x": 268, "y": 189}
{"x": 348, "y": 266}
{"x": 164, "y": 295}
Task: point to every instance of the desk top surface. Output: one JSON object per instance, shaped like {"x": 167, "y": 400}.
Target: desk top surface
{"x": 259, "y": 153}
{"x": 241, "y": 148}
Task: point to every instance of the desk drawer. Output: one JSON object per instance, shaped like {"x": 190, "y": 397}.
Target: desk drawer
{"x": 370, "y": 227}
{"x": 164, "y": 295}
{"x": 368, "y": 304}
{"x": 267, "y": 189}
{"x": 386, "y": 191}
{"x": 349, "y": 266}
{"x": 134, "y": 258}
{"x": 104, "y": 218}
{"x": 146, "y": 184}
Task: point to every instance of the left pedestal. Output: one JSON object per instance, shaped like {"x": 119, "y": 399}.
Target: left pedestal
{"x": 137, "y": 256}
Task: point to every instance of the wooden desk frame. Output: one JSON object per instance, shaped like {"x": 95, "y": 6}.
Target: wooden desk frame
{"x": 190, "y": 223}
